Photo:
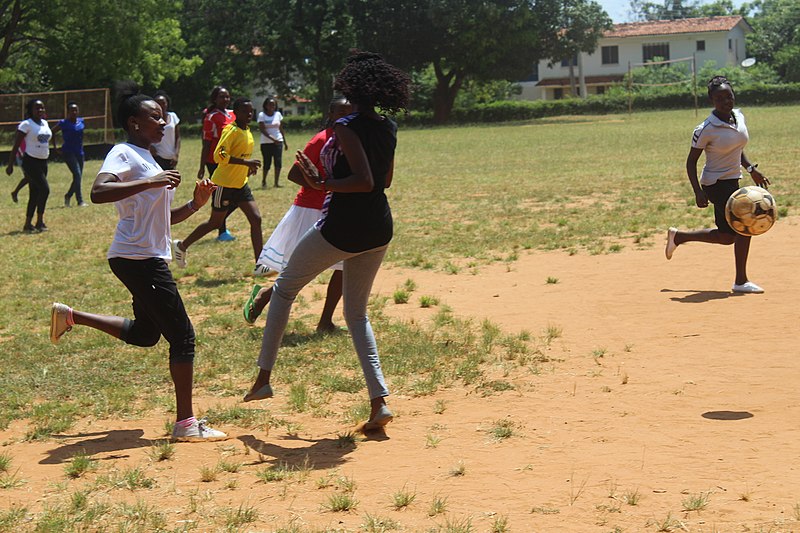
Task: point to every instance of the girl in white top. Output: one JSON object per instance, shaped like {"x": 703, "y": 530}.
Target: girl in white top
{"x": 273, "y": 141}
{"x": 166, "y": 151}
{"x": 142, "y": 193}
{"x": 36, "y": 134}
{"x": 722, "y": 136}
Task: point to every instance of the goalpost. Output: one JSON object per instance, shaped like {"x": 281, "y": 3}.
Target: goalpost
{"x": 692, "y": 60}
{"x": 94, "y": 104}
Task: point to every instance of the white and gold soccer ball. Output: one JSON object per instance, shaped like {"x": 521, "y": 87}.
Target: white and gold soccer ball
{"x": 751, "y": 211}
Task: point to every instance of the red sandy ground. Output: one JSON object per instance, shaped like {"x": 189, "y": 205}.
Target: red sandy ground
{"x": 693, "y": 395}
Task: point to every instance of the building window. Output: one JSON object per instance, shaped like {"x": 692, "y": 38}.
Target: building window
{"x": 610, "y": 55}
{"x": 534, "y": 75}
{"x": 558, "y": 93}
{"x": 730, "y": 44}
{"x": 565, "y": 62}
{"x": 600, "y": 89}
{"x": 701, "y": 46}
{"x": 652, "y": 51}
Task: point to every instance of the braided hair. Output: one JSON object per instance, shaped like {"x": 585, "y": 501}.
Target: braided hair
{"x": 368, "y": 80}
{"x": 717, "y": 82}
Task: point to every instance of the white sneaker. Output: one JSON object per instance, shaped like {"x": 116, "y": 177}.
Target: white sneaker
{"x": 263, "y": 270}
{"x": 747, "y": 287}
{"x": 58, "y": 321}
{"x": 670, "y": 243}
{"x": 197, "y": 432}
{"x": 178, "y": 255}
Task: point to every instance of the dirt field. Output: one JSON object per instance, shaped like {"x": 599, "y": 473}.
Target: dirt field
{"x": 666, "y": 391}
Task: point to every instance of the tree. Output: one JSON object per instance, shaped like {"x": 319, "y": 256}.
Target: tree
{"x": 775, "y": 39}
{"x": 75, "y": 44}
{"x": 480, "y": 40}
{"x": 293, "y": 47}
{"x": 679, "y": 9}
{"x": 20, "y": 44}
{"x": 308, "y": 48}
{"x": 582, "y": 24}
{"x": 93, "y": 43}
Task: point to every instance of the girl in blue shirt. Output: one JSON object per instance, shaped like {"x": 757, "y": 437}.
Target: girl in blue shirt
{"x": 71, "y": 129}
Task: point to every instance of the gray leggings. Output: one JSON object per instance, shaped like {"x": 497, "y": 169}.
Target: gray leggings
{"x": 312, "y": 256}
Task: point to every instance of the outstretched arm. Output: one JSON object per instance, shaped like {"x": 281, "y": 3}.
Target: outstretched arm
{"x": 107, "y": 187}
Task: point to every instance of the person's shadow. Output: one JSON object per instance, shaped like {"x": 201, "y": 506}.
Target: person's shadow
{"x": 95, "y": 443}
{"x": 321, "y": 453}
{"x": 697, "y": 297}
{"x": 727, "y": 415}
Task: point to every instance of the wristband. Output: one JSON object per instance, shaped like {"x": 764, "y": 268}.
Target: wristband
{"x": 322, "y": 183}
{"x": 190, "y": 205}
{"x": 751, "y": 168}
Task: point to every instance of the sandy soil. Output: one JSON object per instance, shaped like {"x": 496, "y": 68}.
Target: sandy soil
{"x": 665, "y": 388}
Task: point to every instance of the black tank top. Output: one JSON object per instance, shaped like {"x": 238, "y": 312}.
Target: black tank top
{"x": 360, "y": 221}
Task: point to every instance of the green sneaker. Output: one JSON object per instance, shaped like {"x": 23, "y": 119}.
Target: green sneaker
{"x": 248, "y": 309}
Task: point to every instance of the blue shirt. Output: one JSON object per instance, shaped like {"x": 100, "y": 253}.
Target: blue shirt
{"x": 73, "y": 135}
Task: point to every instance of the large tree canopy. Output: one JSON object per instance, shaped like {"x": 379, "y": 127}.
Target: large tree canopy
{"x": 461, "y": 39}
{"x": 776, "y": 39}
{"x": 77, "y": 43}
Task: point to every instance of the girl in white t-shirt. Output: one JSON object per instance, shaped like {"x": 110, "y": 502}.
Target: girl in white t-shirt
{"x": 167, "y": 151}
{"x": 142, "y": 193}
{"x": 722, "y": 136}
{"x": 36, "y": 134}
{"x": 273, "y": 142}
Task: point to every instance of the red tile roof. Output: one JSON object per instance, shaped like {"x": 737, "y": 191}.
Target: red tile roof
{"x": 670, "y": 27}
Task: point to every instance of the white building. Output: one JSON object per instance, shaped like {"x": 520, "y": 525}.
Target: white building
{"x": 719, "y": 39}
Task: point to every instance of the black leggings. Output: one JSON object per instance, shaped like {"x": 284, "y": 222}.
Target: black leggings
{"x": 157, "y": 307}
{"x": 36, "y": 172}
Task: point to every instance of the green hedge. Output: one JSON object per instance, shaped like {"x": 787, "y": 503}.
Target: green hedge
{"x": 514, "y": 110}
{"x": 511, "y": 110}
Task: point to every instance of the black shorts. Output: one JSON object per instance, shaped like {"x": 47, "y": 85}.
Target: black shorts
{"x": 272, "y": 152}
{"x": 228, "y": 198}
{"x": 157, "y": 307}
{"x": 718, "y": 195}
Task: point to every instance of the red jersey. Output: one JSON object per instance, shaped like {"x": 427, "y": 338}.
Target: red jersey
{"x": 213, "y": 124}
{"x": 308, "y": 197}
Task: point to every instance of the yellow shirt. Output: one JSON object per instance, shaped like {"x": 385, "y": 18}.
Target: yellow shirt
{"x": 234, "y": 142}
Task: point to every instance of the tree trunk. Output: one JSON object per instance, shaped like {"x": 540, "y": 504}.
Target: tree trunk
{"x": 581, "y": 77}
{"x": 8, "y": 34}
{"x": 571, "y": 78}
{"x": 444, "y": 96}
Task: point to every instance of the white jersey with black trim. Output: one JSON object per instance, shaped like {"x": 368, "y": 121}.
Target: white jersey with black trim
{"x": 723, "y": 144}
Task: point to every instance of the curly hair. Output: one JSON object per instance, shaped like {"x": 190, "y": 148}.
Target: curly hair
{"x": 368, "y": 80}
{"x": 717, "y": 82}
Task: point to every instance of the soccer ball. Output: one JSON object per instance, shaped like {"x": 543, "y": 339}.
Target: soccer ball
{"x": 751, "y": 211}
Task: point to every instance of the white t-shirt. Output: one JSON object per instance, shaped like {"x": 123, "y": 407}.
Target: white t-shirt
{"x": 143, "y": 230}
{"x": 273, "y": 124}
{"x": 723, "y": 144}
{"x": 166, "y": 148}
{"x": 37, "y": 138}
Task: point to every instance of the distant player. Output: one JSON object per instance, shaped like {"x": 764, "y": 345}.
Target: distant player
{"x": 233, "y": 155}
{"x": 722, "y": 136}
{"x": 304, "y": 212}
